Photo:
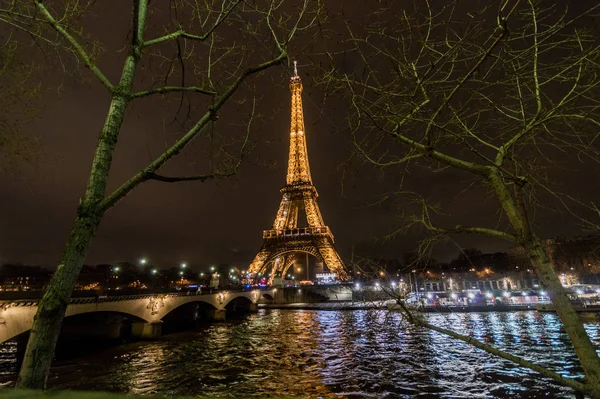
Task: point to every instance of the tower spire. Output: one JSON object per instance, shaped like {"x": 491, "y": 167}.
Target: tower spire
{"x": 298, "y": 168}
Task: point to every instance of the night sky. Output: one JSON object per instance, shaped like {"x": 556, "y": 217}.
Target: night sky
{"x": 215, "y": 221}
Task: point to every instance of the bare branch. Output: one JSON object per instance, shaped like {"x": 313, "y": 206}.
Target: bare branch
{"x": 201, "y": 178}
{"x": 87, "y": 60}
{"x": 172, "y": 89}
{"x": 185, "y": 35}
{"x": 155, "y": 165}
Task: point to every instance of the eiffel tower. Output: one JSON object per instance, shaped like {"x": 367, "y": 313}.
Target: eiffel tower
{"x": 286, "y": 240}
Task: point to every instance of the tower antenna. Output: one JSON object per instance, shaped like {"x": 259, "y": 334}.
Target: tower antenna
{"x": 295, "y": 68}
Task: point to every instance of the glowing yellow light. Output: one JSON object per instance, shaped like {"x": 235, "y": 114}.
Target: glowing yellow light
{"x": 299, "y": 194}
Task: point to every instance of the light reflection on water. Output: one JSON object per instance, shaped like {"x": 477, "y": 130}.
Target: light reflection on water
{"x": 323, "y": 353}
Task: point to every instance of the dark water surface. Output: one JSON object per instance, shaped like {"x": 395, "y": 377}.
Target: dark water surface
{"x": 306, "y": 353}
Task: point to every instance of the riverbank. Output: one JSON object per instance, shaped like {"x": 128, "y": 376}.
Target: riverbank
{"x": 391, "y": 305}
{"x": 327, "y": 305}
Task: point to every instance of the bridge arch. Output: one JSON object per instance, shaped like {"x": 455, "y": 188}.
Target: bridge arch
{"x": 17, "y": 320}
{"x": 239, "y": 304}
{"x": 163, "y": 308}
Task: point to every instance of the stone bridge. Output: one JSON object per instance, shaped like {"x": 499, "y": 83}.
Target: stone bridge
{"x": 146, "y": 311}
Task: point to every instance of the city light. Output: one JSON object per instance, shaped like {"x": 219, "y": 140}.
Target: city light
{"x": 143, "y": 261}
{"x": 116, "y": 268}
{"x": 201, "y": 274}
{"x": 506, "y": 294}
{"x": 488, "y": 294}
{"x": 453, "y": 295}
{"x": 429, "y": 296}
{"x": 357, "y": 286}
{"x": 212, "y": 269}
{"x": 154, "y": 271}
{"x": 183, "y": 265}
{"x": 181, "y": 273}
{"x": 471, "y": 296}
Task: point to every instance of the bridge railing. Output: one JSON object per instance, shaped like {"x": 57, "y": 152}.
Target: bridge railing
{"x": 29, "y": 300}
{"x": 301, "y": 231}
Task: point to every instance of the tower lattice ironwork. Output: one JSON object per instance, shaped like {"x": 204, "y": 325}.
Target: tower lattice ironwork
{"x": 285, "y": 240}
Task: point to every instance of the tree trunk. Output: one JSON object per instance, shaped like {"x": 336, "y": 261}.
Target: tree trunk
{"x": 585, "y": 350}
{"x": 52, "y": 307}
{"x": 519, "y": 219}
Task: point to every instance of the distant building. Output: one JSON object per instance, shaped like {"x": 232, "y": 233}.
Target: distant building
{"x": 23, "y": 278}
{"x": 575, "y": 260}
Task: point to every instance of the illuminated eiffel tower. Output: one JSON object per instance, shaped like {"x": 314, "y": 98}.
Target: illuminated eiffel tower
{"x": 286, "y": 240}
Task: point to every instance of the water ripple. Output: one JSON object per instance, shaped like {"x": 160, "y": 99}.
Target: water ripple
{"x": 353, "y": 354}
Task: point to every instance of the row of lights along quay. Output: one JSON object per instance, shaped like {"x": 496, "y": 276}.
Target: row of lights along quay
{"x": 428, "y": 287}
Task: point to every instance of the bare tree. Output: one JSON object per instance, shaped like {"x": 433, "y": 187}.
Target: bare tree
{"x": 502, "y": 94}
{"x": 185, "y": 48}
{"x": 17, "y": 85}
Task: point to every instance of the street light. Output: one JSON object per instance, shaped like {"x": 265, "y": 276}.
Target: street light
{"x": 201, "y": 274}
{"x": 183, "y": 265}
{"x": 181, "y": 273}
{"x": 142, "y": 261}
{"x": 154, "y": 271}
{"x": 212, "y": 268}
{"x": 116, "y": 269}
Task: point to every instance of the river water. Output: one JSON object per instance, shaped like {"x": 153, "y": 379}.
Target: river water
{"x": 307, "y": 353}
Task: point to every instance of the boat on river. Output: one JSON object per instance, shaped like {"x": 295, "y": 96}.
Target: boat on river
{"x": 462, "y": 308}
{"x": 579, "y": 306}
